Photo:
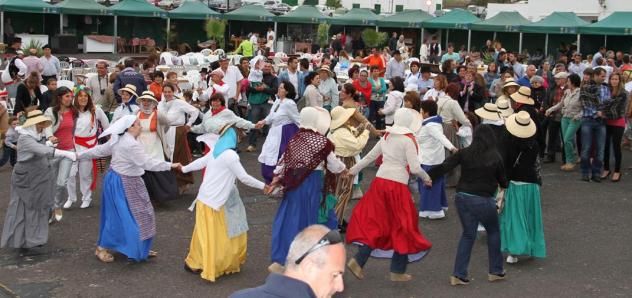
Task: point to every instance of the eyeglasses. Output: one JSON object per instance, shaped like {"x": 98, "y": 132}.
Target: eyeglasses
{"x": 332, "y": 237}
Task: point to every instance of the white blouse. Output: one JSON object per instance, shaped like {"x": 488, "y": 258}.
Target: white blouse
{"x": 176, "y": 111}
{"x": 431, "y": 142}
{"x": 122, "y": 110}
{"x": 128, "y": 156}
{"x": 283, "y": 112}
{"x": 219, "y": 180}
{"x": 434, "y": 93}
{"x": 85, "y": 126}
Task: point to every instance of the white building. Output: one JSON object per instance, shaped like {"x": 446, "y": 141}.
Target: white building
{"x": 391, "y": 6}
{"x": 590, "y": 10}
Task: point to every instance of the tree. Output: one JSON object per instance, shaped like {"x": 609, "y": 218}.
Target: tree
{"x": 323, "y": 35}
{"x": 374, "y": 39}
{"x": 215, "y": 30}
{"x": 333, "y": 3}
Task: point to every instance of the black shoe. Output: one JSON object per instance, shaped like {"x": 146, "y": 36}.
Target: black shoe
{"x": 596, "y": 179}
{"x": 585, "y": 178}
{"x": 190, "y": 270}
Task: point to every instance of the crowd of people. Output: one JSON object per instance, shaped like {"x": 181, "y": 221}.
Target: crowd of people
{"x": 484, "y": 130}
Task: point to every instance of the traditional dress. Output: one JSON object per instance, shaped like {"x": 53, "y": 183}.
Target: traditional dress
{"x": 283, "y": 121}
{"x": 179, "y": 114}
{"x": 127, "y": 217}
{"x": 452, "y": 114}
{"x": 87, "y": 126}
{"x": 219, "y": 241}
{"x": 301, "y": 169}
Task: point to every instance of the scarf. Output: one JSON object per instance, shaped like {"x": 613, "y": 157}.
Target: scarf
{"x": 305, "y": 151}
{"x": 433, "y": 119}
{"x": 227, "y": 141}
{"x": 215, "y": 112}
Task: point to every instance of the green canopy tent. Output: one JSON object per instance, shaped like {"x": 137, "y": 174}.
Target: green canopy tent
{"x": 618, "y": 24}
{"x": 190, "y": 10}
{"x": 306, "y": 16}
{"x": 251, "y": 13}
{"x": 25, "y": 6}
{"x": 134, "y": 8}
{"x": 504, "y": 21}
{"x": 455, "y": 19}
{"x": 357, "y": 17}
{"x": 80, "y": 7}
{"x": 556, "y": 23}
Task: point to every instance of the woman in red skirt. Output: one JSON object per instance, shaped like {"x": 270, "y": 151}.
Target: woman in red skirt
{"x": 386, "y": 217}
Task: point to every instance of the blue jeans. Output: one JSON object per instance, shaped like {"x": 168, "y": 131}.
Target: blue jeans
{"x": 593, "y": 137}
{"x": 399, "y": 262}
{"x": 257, "y": 112}
{"x": 473, "y": 209}
{"x": 8, "y": 155}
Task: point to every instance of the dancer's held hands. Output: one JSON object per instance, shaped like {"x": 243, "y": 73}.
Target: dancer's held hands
{"x": 428, "y": 183}
{"x": 177, "y": 166}
{"x": 260, "y": 124}
{"x": 268, "y": 189}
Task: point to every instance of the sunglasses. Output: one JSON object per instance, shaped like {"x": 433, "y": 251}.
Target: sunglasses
{"x": 332, "y": 237}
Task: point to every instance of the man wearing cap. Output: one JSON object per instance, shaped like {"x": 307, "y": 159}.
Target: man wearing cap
{"x": 129, "y": 76}
{"x": 328, "y": 88}
{"x": 395, "y": 67}
{"x": 577, "y": 66}
{"x": 51, "y": 64}
{"x": 232, "y": 78}
{"x": 553, "y": 122}
{"x": 14, "y": 73}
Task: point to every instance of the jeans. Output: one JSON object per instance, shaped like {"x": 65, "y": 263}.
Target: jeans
{"x": 8, "y": 155}
{"x": 374, "y": 116}
{"x": 593, "y": 134}
{"x": 473, "y": 209}
{"x": 398, "y": 261}
{"x": 257, "y": 112}
{"x": 614, "y": 135}
{"x": 569, "y": 129}
{"x": 553, "y": 139}
{"x": 64, "y": 166}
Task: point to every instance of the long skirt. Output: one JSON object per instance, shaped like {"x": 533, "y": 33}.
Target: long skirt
{"x": 298, "y": 210}
{"x": 452, "y": 178}
{"x": 287, "y": 132}
{"x": 127, "y": 217}
{"x": 211, "y": 249}
{"x": 344, "y": 187}
{"x": 433, "y": 198}
{"x": 521, "y": 229}
{"x": 386, "y": 218}
{"x": 162, "y": 186}
{"x": 182, "y": 154}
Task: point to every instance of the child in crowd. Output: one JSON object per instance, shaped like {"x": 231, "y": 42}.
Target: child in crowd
{"x": 49, "y": 95}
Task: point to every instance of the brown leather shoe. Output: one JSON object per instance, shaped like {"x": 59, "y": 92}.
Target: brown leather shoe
{"x": 355, "y": 268}
{"x": 401, "y": 277}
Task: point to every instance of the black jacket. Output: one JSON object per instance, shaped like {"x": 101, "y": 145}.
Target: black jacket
{"x": 23, "y": 98}
{"x": 521, "y": 159}
{"x": 277, "y": 286}
{"x": 614, "y": 108}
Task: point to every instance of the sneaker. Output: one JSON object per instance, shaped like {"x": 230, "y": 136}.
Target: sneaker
{"x": 58, "y": 214}
{"x": 436, "y": 214}
{"x": 68, "y": 204}
{"x": 511, "y": 259}
{"x": 456, "y": 281}
{"x": 496, "y": 276}
{"x": 251, "y": 148}
{"x": 85, "y": 204}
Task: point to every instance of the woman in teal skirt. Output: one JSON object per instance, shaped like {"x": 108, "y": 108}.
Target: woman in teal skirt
{"x": 521, "y": 229}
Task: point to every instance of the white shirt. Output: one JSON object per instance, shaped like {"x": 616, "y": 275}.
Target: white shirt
{"x": 434, "y": 93}
{"x": 6, "y": 77}
{"x": 282, "y": 113}
{"x": 293, "y": 76}
{"x": 217, "y": 185}
{"x": 232, "y": 75}
{"x": 223, "y": 89}
{"x": 86, "y": 126}
{"x": 225, "y": 116}
{"x": 96, "y": 84}
{"x": 122, "y": 110}
{"x": 270, "y": 33}
{"x": 412, "y": 78}
{"x": 394, "y": 101}
{"x": 128, "y": 157}
{"x": 51, "y": 66}
{"x": 329, "y": 89}
{"x": 176, "y": 111}
{"x": 431, "y": 142}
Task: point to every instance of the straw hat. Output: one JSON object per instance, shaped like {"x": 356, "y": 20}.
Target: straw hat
{"x": 340, "y": 115}
{"x": 510, "y": 82}
{"x": 504, "y": 108}
{"x": 561, "y": 75}
{"x": 327, "y": 69}
{"x": 405, "y": 122}
{"x": 489, "y": 111}
{"x": 523, "y": 95}
{"x": 129, "y": 88}
{"x": 148, "y": 95}
{"x": 520, "y": 125}
{"x": 316, "y": 119}
{"x": 35, "y": 117}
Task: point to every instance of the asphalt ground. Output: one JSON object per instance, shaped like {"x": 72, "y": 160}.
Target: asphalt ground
{"x": 587, "y": 230}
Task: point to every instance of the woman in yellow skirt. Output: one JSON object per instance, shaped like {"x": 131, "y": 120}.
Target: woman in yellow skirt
{"x": 218, "y": 244}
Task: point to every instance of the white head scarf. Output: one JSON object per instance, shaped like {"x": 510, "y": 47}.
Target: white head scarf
{"x": 118, "y": 127}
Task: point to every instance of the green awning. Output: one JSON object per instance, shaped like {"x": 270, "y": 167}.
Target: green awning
{"x": 556, "y": 23}
{"x": 137, "y": 8}
{"x": 618, "y": 23}
{"x": 82, "y": 7}
{"x": 254, "y": 13}
{"x": 28, "y": 6}
{"x": 504, "y": 21}
{"x": 357, "y": 17}
{"x": 305, "y": 14}
{"x": 456, "y": 19}
{"x": 405, "y": 19}
{"x": 194, "y": 10}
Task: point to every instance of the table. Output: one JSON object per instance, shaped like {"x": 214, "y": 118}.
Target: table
{"x": 42, "y": 39}
{"x": 98, "y": 44}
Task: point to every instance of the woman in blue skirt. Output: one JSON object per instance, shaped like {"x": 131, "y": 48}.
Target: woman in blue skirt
{"x": 127, "y": 217}
{"x": 301, "y": 172}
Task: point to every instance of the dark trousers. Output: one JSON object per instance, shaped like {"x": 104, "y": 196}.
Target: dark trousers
{"x": 434, "y": 59}
{"x": 554, "y": 138}
{"x": 45, "y": 78}
{"x": 398, "y": 261}
{"x": 374, "y": 117}
{"x": 614, "y": 134}
{"x": 257, "y": 112}
{"x": 8, "y": 155}
{"x": 472, "y": 210}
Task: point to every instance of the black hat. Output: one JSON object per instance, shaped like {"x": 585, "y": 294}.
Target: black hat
{"x": 16, "y": 39}
{"x": 425, "y": 68}
{"x": 46, "y": 46}
{"x": 204, "y": 70}
{"x": 396, "y": 52}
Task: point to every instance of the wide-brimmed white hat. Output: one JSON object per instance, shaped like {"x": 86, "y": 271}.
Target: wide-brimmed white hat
{"x": 340, "y": 116}
{"x": 129, "y": 88}
{"x": 504, "y": 108}
{"x": 405, "y": 121}
{"x": 148, "y": 95}
{"x": 316, "y": 119}
{"x": 35, "y": 117}
{"x": 489, "y": 111}
{"x": 523, "y": 95}
{"x": 327, "y": 69}
{"x": 510, "y": 82}
{"x": 520, "y": 125}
